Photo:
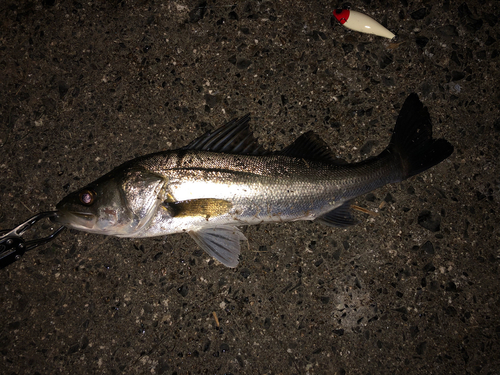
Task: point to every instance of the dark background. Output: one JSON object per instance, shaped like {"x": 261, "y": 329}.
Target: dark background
{"x": 87, "y": 85}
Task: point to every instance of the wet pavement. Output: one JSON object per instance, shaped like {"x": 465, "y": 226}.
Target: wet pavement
{"x": 414, "y": 289}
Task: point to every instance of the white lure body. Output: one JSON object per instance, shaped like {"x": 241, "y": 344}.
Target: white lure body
{"x": 361, "y": 22}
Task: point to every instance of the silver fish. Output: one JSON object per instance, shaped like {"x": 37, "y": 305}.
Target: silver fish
{"x": 225, "y": 179}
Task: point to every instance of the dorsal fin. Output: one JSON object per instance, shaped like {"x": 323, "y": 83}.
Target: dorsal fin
{"x": 234, "y": 137}
{"x": 310, "y": 146}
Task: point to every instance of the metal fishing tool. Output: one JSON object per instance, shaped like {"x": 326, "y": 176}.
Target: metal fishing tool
{"x": 13, "y": 245}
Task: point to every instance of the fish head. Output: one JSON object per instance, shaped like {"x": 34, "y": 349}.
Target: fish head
{"x": 120, "y": 203}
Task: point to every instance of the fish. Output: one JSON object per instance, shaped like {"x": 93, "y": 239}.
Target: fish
{"x": 225, "y": 179}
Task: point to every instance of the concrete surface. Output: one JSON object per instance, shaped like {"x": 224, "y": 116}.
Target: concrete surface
{"x": 87, "y": 85}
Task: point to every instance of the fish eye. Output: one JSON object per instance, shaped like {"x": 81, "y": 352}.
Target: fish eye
{"x": 87, "y": 197}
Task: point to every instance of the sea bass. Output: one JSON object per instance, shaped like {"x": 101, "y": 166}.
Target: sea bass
{"x": 225, "y": 179}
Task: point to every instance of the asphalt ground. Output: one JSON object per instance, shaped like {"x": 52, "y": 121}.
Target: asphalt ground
{"x": 413, "y": 289}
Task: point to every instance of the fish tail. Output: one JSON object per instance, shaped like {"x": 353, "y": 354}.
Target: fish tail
{"x": 412, "y": 139}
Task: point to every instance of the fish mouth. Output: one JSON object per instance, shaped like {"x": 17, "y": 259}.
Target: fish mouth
{"x": 75, "y": 219}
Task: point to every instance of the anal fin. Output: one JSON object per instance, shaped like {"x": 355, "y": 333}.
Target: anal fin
{"x": 222, "y": 243}
{"x": 341, "y": 217}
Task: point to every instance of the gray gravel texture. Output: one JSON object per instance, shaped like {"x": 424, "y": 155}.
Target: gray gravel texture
{"x": 87, "y": 85}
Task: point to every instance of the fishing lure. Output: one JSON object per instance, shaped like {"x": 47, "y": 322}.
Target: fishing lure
{"x": 361, "y": 22}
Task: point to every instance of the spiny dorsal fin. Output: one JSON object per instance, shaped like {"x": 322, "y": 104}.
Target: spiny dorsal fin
{"x": 310, "y": 146}
{"x": 234, "y": 137}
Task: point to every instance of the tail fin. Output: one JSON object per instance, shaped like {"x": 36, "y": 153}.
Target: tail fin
{"x": 412, "y": 139}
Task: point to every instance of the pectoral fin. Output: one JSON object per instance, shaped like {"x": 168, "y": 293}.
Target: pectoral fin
{"x": 207, "y": 208}
{"x": 222, "y": 243}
